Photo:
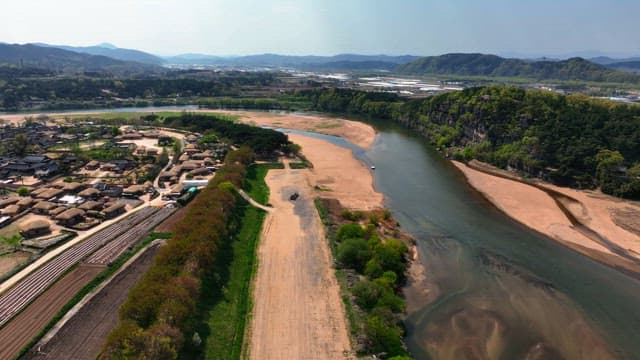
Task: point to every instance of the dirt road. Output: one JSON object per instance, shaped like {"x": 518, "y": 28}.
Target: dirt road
{"x": 83, "y": 336}
{"x": 21, "y": 329}
{"x": 298, "y": 313}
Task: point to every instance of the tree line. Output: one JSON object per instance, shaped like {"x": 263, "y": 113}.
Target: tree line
{"x": 160, "y": 314}
{"x": 570, "y": 140}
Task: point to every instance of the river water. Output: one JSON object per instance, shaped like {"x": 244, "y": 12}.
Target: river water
{"x": 492, "y": 288}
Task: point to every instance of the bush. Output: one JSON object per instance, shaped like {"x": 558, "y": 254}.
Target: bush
{"x": 384, "y": 337}
{"x": 354, "y": 253}
{"x": 350, "y": 231}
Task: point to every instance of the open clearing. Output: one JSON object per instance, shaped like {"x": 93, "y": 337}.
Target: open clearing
{"x": 298, "y": 313}
{"x": 25, "y": 326}
{"x": 83, "y": 336}
{"x": 9, "y": 261}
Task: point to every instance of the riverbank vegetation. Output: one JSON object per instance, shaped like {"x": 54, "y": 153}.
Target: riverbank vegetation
{"x": 570, "y": 140}
{"x": 372, "y": 263}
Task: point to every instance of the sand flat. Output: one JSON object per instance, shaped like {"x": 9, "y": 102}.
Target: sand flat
{"x": 536, "y": 209}
{"x": 298, "y": 313}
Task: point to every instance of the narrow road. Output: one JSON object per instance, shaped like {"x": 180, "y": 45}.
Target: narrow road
{"x": 253, "y": 202}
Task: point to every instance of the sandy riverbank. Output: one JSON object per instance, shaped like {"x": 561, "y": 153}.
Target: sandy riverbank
{"x": 595, "y": 230}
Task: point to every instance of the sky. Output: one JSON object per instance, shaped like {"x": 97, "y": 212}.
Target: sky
{"x": 327, "y": 27}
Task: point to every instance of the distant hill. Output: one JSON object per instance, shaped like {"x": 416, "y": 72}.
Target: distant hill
{"x": 65, "y": 61}
{"x": 495, "y": 66}
{"x": 629, "y": 66}
{"x": 605, "y": 60}
{"x": 311, "y": 62}
{"x": 111, "y": 51}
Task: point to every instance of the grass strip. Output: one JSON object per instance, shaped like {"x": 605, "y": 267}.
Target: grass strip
{"x": 228, "y": 298}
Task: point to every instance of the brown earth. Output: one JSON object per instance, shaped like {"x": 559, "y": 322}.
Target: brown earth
{"x": 18, "y": 332}
{"x": 83, "y": 336}
{"x": 9, "y": 261}
{"x": 298, "y": 313}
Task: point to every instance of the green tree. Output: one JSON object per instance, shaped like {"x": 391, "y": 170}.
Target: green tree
{"x": 20, "y": 144}
{"x": 23, "y": 191}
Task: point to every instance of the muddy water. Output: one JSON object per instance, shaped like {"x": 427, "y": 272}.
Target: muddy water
{"x": 491, "y": 288}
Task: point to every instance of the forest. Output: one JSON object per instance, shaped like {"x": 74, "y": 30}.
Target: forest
{"x": 570, "y": 140}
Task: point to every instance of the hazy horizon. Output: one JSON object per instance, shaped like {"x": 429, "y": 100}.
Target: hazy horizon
{"x": 305, "y": 27}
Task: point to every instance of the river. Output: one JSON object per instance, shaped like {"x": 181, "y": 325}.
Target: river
{"x": 493, "y": 288}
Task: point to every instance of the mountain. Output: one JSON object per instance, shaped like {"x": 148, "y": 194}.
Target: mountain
{"x": 605, "y": 60}
{"x": 495, "y": 66}
{"x": 629, "y": 66}
{"x": 311, "y": 62}
{"x": 60, "y": 60}
{"x": 106, "y": 49}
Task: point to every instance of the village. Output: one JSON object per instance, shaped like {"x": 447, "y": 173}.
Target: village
{"x": 56, "y": 184}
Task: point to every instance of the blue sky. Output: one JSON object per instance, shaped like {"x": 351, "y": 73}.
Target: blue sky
{"x": 298, "y": 27}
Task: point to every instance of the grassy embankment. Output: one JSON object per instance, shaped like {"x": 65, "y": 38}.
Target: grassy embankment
{"x": 228, "y": 309}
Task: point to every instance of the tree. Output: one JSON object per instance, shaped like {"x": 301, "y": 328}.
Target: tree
{"x": 354, "y": 253}
{"x": 20, "y": 144}
{"x": 23, "y": 191}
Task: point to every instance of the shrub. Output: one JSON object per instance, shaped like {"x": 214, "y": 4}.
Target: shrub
{"x": 350, "y": 231}
{"x": 354, "y": 253}
{"x": 384, "y": 337}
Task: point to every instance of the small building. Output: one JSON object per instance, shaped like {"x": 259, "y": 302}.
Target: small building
{"x": 43, "y": 207}
{"x": 90, "y": 205}
{"x": 176, "y": 190}
{"x": 57, "y": 211}
{"x": 46, "y": 170}
{"x": 134, "y": 191}
{"x": 114, "y": 210}
{"x": 92, "y": 165}
{"x": 49, "y": 194}
{"x": 108, "y": 167}
{"x": 73, "y": 187}
{"x": 89, "y": 193}
{"x": 9, "y": 201}
{"x": 152, "y": 152}
{"x": 203, "y": 171}
{"x": 35, "y": 228}
{"x": 11, "y": 210}
{"x": 70, "y": 217}
{"x": 25, "y": 203}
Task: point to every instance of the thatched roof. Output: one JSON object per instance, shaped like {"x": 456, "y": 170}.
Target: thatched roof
{"x": 134, "y": 189}
{"x": 90, "y": 205}
{"x": 115, "y": 207}
{"x": 70, "y": 214}
{"x": 73, "y": 186}
{"x": 89, "y": 192}
{"x": 49, "y": 193}
{"x": 9, "y": 201}
{"x": 11, "y": 210}
{"x": 35, "y": 225}
{"x": 57, "y": 210}
{"x": 25, "y": 201}
{"x": 44, "y": 205}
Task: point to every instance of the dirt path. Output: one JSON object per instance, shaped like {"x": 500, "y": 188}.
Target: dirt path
{"x": 83, "y": 336}
{"x": 18, "y": 332}
{"x": 298, "y": 313}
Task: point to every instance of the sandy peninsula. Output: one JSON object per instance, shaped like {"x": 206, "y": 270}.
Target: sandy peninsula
{"x": 599, "y": 226}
